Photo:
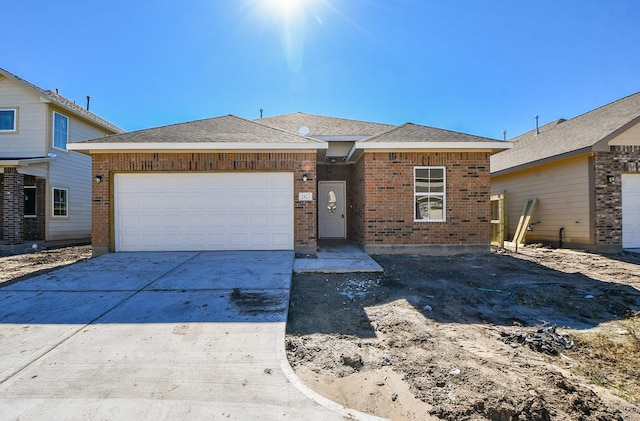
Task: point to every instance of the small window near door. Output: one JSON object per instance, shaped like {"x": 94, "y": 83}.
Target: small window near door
{"x": 30, "y": 202}
{"x": 60, "y": 202}
{"x": 429, "y": 194}
{"x": 332, "y": 202}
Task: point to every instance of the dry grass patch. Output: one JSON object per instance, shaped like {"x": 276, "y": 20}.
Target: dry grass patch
{"x": 610, "y": 359}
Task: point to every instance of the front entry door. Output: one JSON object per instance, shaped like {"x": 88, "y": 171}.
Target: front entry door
{"x": 332, "y": 220}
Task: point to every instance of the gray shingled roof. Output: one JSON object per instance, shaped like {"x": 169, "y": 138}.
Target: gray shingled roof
{"x": 410, "y": 132}
{"x": 224, "y": 129}
{"x": 64, "y": 102}
{"x": 324, "y": 126}
{"x": 562, "y": 137}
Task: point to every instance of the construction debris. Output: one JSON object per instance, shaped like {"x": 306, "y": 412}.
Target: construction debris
{"x": 544, "y": 339}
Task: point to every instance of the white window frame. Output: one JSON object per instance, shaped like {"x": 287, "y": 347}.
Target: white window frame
{"x": 15, "y": 120}
{"x": 442, "y": 194}
{"x": 35, "y": 195}
{"x": 53, "y": 133}
{"x": 53, "y": 202}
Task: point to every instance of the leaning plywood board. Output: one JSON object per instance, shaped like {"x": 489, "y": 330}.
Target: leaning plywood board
{"x": 525, "y": 220}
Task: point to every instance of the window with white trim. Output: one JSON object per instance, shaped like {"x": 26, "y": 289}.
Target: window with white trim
{"x": 60, "y": 202}
{"x": 30, "y": 208}
{"x": 60, "y": 131}
{"x": 429, "y": 194}
{"x": 7, "y": 120}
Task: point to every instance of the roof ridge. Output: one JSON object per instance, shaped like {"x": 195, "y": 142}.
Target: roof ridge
{"x": 408, "y": 123}
{"x": 281, "y": 130}
{"x": 325, "y": 116}
{"x": 606, "y": 105}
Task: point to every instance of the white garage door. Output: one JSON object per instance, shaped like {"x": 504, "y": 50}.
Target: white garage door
{"x": 203, "y": 211}
{"x": 631, "y": 210}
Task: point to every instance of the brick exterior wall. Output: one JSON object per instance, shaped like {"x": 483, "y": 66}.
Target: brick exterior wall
{"x": 34, "y": 228}
{"x": 608, "y": 196}
{"x": 356, "y": 228}
{"x": 107, "y": 164}
{"x": 387, "y": 212}
{"x": 12, "y": 207}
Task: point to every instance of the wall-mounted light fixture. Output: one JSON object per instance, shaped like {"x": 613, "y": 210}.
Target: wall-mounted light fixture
{"x": 97, "y": 178}
{"x": 305, "y": 177}
{"x": 611, "y": 178}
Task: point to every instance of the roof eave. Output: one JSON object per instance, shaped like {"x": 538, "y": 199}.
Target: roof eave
{"x": 493, "y": 147}
{"x": 191, "y": 146}
{"x": 542, "y": 161}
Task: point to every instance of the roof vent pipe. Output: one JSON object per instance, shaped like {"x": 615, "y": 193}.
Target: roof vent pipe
{"x": 504, "y": 135}
{"x": 88, "y": 99}
{"x": 537, "y": 129}
{"x": 261, "y": 112}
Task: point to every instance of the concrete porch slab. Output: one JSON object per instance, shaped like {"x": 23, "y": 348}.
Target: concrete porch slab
{"x": 337, "y": 256}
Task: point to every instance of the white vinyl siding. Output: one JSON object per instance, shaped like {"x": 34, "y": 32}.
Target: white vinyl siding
{"x": 203, "y": 211}
{"x": 562, "y": 189}
{"x": 30, "y": 138}
{"x": 72, "y": 171}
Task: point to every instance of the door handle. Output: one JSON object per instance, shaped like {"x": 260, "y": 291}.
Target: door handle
{"x": 342, "y": 216}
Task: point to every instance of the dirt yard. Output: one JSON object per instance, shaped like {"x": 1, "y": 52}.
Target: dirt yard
{"x": 472, "y": 337}
{"x": 460, "y": 338}
{"x": 14, "y": 267}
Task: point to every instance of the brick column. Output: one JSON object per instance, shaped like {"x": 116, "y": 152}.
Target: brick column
{"x": 13, "y": 206}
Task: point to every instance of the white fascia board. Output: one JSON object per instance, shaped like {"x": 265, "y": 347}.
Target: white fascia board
{"x": 23, "y": 162}
{"x": 394, "y": 146}
{"x": 191, "y": 146}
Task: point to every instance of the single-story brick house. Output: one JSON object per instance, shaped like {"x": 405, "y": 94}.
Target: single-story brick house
{"x": 585, "y": 172}
{"x": 284, "y": 182}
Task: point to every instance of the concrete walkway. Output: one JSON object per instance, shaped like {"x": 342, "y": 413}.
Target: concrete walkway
{"x": 337, "y": 256}
{"x": 155, "y": 336}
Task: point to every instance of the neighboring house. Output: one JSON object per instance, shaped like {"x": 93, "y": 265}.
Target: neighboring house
{"x": 45, "y": 189}
{"x": 585, "y": 172}
{"x": 284, "y": 182}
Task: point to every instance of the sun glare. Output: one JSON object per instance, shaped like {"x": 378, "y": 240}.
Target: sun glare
{"x": 286, "y": 7}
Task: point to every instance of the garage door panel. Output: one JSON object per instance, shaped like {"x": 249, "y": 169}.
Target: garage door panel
{"x": 259, "y": 201}
{"x": 237, "y": 201}
{"x": 260, "y": 222}
{"x": 279, "y": 240}
{"x": 203, "y": 211}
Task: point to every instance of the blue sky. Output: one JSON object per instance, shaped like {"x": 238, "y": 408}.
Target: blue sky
{"x": 479, "y": 67}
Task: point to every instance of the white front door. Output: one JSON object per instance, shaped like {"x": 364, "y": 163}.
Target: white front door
{"x": 332, "y": 220}
{"x": 631, "y": 211}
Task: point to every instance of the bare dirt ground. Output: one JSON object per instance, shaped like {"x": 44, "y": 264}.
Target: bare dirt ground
{"x": 472, "y": 337}
{"x": 20, "y": 266}
{"x": 460, "y": 338}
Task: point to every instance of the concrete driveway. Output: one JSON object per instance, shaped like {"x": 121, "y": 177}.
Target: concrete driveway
{"x": 155, "y": 336}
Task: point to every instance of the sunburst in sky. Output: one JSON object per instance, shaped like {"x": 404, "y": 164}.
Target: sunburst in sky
{"x": 291, "y": 19}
